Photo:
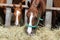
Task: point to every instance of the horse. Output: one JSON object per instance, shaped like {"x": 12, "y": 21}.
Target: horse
{"x": 18, "y": 14}
{"x": 56, "y": 3}
{"x": 3, "y": 1}
{"x": 34, "y": 13}
{"x": 2, "y": 10}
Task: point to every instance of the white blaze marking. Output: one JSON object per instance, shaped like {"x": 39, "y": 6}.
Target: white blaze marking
{"x": 17, "y": 14}
{"x": 29, "y": 30}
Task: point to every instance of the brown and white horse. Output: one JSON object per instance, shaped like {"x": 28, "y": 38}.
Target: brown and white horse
{"x": 17, "y": 11}
{"x": 3, "y": 1}
{"x": 18, "y": 14}
{"x": 33, "y": 13}
{"x": 55, "y": 14}
{"x": 2, "y": 10}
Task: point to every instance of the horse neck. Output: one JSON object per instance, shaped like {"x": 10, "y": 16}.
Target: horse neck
{"x": 35, "y": 3}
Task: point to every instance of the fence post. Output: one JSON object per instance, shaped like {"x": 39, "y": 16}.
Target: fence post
{"x": 48, "y": 18}
{"x": 8, "y": 14}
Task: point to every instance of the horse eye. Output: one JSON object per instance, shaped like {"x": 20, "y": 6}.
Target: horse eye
{"x": 35, "y": 17}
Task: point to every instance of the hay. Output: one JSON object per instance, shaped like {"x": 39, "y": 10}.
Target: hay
{"x": 18, "y": 33}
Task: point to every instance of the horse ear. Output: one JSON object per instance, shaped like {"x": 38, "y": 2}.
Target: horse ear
{"x": 14, "y": 6}
{"x": 20, "y": 5}
{"x": 23, "y": 1}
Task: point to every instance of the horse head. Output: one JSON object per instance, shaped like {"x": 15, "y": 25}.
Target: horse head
{"x": 33, "y": 14}
{"x": 32, "y": 19}
{"x": 18, "y": 14}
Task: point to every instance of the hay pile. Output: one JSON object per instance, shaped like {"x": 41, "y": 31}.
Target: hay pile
{"x": 18, "y": 33}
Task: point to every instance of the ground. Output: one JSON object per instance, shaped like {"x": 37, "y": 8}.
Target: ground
{"x": 18, "y": 33}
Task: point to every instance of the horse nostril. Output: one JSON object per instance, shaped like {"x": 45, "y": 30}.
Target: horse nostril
{"x": 29, "y": 30}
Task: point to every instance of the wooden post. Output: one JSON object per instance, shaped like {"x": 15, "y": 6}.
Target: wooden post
{"x": 25, "y": 16}
{"x": 48, "y": 18}
{"x": 8, "y": 14}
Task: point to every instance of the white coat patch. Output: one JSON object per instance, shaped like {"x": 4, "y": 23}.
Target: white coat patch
{"x": 17, "y": 14}
{"x": 29, "y": 30}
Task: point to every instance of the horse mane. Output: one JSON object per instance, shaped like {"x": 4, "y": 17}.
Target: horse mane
{"x": 42, "y": 5}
